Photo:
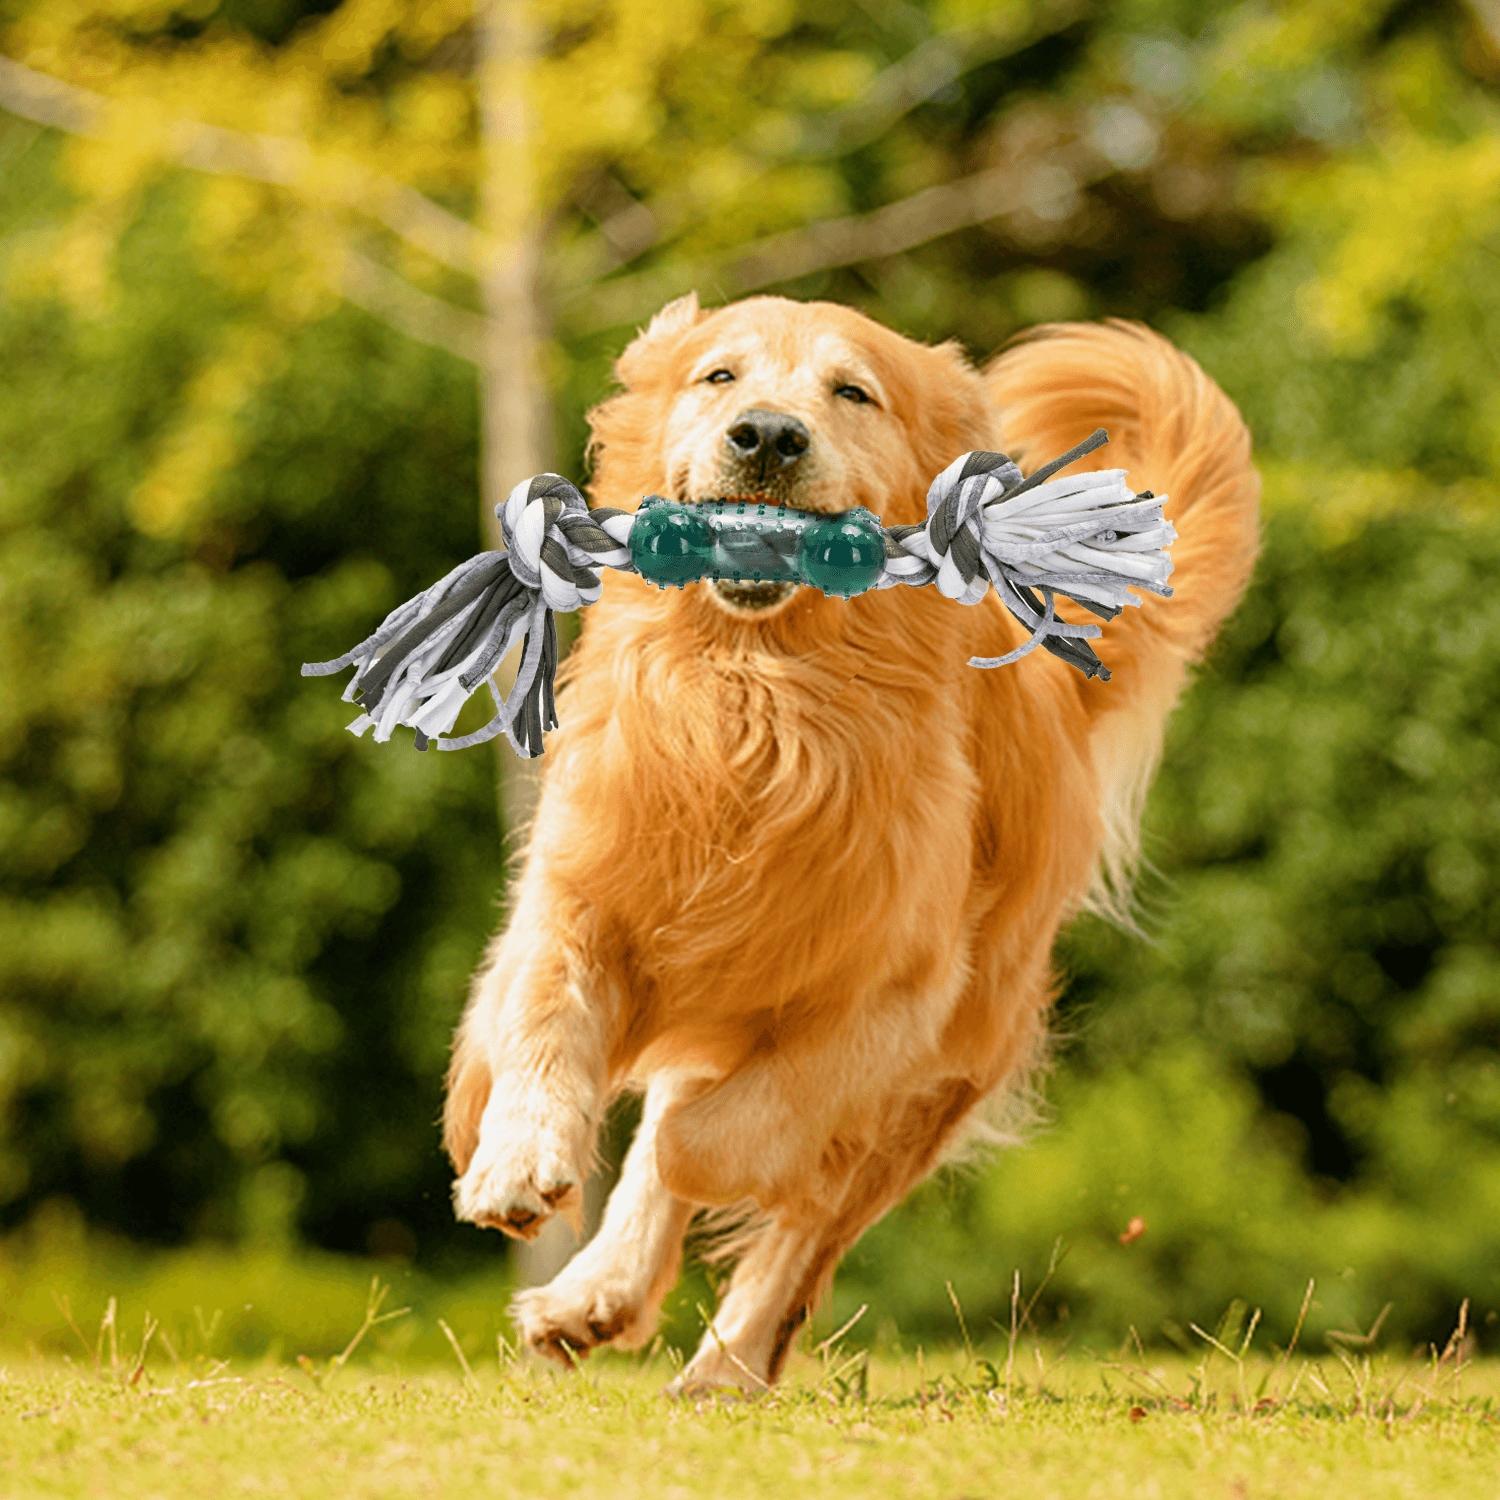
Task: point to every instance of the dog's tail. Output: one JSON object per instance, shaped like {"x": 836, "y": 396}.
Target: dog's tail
{"x": 1175, "y": 433}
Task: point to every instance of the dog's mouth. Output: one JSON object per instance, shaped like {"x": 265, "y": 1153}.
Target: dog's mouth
{"x": 745, "y": 596}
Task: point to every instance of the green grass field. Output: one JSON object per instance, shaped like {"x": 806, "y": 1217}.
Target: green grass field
{"x": 132, "y": 1418}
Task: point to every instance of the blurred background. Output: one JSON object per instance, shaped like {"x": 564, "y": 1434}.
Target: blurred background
{"x": 291, "y": 292}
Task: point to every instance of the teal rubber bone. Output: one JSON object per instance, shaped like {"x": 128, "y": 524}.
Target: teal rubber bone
{"x": 673, "y": 544}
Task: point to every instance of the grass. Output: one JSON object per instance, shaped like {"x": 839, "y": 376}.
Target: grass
{"x": 139, "y": 1415}
{"x": 59, "y": 1282}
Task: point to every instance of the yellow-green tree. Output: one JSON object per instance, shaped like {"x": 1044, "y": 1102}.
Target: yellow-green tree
{"x": 507, "y": 178}
{"x": 476, "y": 174}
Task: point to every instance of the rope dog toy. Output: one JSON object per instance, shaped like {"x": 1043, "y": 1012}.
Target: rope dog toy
{"x": 1029, "y": 538}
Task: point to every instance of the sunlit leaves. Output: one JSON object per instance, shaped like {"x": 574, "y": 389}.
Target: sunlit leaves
{"x": 203, "y": 441}
{"x": 1408, "y": 219}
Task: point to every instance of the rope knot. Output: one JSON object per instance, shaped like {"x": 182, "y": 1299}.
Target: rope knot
{"x": 956, "y": 502}
{"x": 535, "y": 523}
{"x": 1030, "y": 538}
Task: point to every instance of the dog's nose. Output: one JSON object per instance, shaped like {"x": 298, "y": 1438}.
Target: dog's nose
{"x": 771, "y": 437}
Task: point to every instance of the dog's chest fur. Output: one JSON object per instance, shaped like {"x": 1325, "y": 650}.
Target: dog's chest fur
{"x": 765, "y": 832}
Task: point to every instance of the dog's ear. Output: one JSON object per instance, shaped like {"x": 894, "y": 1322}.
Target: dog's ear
{"x": 645, "y": 350}
{"x": 955, "y": 414}
{"x": 624, "y": 443}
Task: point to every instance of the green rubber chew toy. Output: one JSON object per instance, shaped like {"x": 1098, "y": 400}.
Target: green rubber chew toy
{"x": 673, "y": 544}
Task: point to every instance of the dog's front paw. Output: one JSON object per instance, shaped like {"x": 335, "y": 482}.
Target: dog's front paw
{"x": 528, "y": 1166}
{"x": 577, "y": 1312}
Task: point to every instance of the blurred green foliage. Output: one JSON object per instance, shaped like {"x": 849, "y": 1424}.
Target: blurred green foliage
{"x": 233, "y": 939}
{"x": 227, "y": 939}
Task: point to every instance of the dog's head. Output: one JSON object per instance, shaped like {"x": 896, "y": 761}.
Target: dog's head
{"x": 806, "y": 404}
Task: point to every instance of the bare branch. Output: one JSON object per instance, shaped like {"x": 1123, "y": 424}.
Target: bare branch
{"x": 428, "y": 319}
{"x": 912, "y": 80}
{"x": 1486, "y": 14}
{"x": 935, "y": 63}
{"x": 43, "y": 100}
{"x": 919, "y": 219}
{"x": 279, "y": 161}
{"x": 624, "y": 225}
{"x": 888, "y": 230}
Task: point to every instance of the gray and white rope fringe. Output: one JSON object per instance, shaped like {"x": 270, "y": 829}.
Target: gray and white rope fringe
{"x": 1029, "y": 538}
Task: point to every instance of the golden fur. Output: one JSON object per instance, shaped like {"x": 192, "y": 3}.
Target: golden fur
{"x": 797, "y": 874}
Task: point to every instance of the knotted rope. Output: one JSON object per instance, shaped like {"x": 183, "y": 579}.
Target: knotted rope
{"x": 431, "y": 654}
{"x": 1087, "y": 536}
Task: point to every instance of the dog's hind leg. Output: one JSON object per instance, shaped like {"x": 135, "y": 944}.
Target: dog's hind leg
{"x": 612, "y": 1290}
{"x": 784, "y": 1127}
{"x": 789, "y": 1266}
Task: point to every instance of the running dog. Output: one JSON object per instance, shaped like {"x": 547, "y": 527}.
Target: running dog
{"x": 797, "y": 869}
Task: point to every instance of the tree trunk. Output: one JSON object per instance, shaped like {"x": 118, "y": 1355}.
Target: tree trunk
{"x": 515, "y": 410}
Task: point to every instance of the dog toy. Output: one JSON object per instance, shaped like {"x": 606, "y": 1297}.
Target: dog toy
{"x": 1029, "y": 538}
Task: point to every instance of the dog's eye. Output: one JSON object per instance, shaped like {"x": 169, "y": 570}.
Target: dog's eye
{"x": 857, "y": 394}
{"x": 719, "y": 377}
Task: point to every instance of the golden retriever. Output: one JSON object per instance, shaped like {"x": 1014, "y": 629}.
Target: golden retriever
{"x": 797, "y": 868}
